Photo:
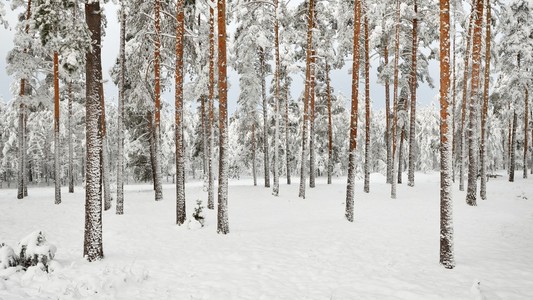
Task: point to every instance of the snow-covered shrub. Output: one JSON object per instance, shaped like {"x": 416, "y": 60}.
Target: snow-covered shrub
{"x": 34, "y": 250}
{"x": 7, "y": 257}
{"x": 198, "y": 214}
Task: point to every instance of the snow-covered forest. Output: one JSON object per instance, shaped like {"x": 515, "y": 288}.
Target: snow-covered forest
{"x": 161, "y": 191}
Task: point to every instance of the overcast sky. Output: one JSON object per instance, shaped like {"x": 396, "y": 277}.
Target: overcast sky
{"x": 341, "y": 79}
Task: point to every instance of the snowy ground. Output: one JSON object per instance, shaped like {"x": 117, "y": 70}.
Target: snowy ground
{"x": 281, "y": 248}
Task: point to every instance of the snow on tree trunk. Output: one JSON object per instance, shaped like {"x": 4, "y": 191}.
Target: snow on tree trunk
{"x": 483, "y": 158}
{"x": 474, "y": 95}
{"x": 266, "y": 159}
{"x": 20, "y": 177}
{"x": 105, "y": 153}
{"x": 92, "y": 246}
{"x": 349, "y": 213}
{"x": 400, "y": 155}
{"x": 70, "y": 145}
{"x": 395, "y": 100}
{"x": 203, "y": 121}
{"x": 287, "y": 148}
{"x": 275, "y": 169}
{"x": 57, "y": 167}
{"x": 330, "y": 126}
{"x": 180, "y": 160}
{"x": 307, "y": 92}
{"x": 157, "y": 103}
{"x": 222, "y": 216}
{"x": 211, "y": 126}
{"x": 463, "y": 103}
{"x": 388, "y": 136}
{"x": 21, "y": 180}
{"x": 413, "y": 79}
{"x": 512, "y": 148}
{"x": 254, "y": 168}
{"x": 312, "y": 156}
{"x": 526, "y": 122}
{"x": 121, "y": 99}
{"x": 366, "y": 187}
{"x": 446, "y": 210}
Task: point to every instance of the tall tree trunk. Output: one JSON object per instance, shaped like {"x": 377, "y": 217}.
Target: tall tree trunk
{"x": 21, "y": 182}
{"x": 180, "y": 160}
{"x": 203, "y": 120}
{"x": 526, "y": 122}
{"x": 387, "y": 112}
{"x": 121, "y": 100}
{"x": 150, "y": 125}
{"x": 454, "y": 92}
{"x": 211, "y": 125}
{"x": 512, "y": 149}
{"x": 287, "y": 149}
{"x": 483, "y": 161}
{"x": 413, "y": 79}
{"x": 312, "y": 156}
{"x": 57, "y": 167}
{"x": 446, "y": 210}
{"x": 266, "y": 159}
{"x": 353, "y": 117}
{"x": 395, "y": 103}
{"x": 463, "y": 104}
{"x": 330, "y": 126}
{"x": 400, "y": 154}
{"x": 92, "y": 246}
{"x": 472, "y": 134}
{"x": 254, "y": 172}
{"x": 157, "y": 109}
{"x": 367, "y": 108}
{"x": 222, "y": 216}
{"x": 275, "y": 169}
{"x": 307, "y": 93}
{"x": 70, "y": 145}
{"x": 105, "y": 153}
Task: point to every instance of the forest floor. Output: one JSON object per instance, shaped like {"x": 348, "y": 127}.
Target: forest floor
{"x": 281, "y": 247}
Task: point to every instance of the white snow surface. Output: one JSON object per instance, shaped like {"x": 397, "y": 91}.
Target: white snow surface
{"x": 281, "y": 247}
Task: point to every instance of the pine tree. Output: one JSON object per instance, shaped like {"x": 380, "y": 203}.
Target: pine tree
{"x": 121, "y": 100}
{"x": 354, "y": 111}
{"x": 211, "y": 125}
{"x": 92, "y": 247}
{"x": 395, "y": 100}
{"x": 483, "y": 150}
{"x": 446, "y": 215}
{"x": 472, "y": 132}
{"x": 277, "y": 87}
{"x": 307, "y": 96}
{"x": 157, "y": 102}
{"x": 367, "y": 103}
{"x": 413, "y": 84}
{"x": 222, "y": 216}
{"x": 180, "y": 159}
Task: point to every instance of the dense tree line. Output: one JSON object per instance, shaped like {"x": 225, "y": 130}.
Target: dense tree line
{"x": 59, "y": 127}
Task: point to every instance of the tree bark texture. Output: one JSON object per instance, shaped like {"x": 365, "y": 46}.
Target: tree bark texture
{"x": 366, "y": 186}
{"x": 483, "y": 156}
{"x": 70, "y": 145}
{"x": 512, "y": 148}
{"x": 349, "y": 213}
{"x": 275, "y": 169}
{"x": 413, "y": 84}
{"x": 446, "y": 256}
{"x": 92, "y": 246}
{"x": 395, "y": 100}
{"x": 180, "y": 160}
{"x": 121, "y": 100}
{"x": 307, "y": 93}
{"x": 57, "y": 165}
{"x": 266, "y": 159}
{"x": 211, "y": 125}
{"x": 157, "y": 108}
{"x": 222, "y": 215}
{"x": 312, "y": 95}
{"x": 474, "y": 103}
{"x": 330, "y": 126}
